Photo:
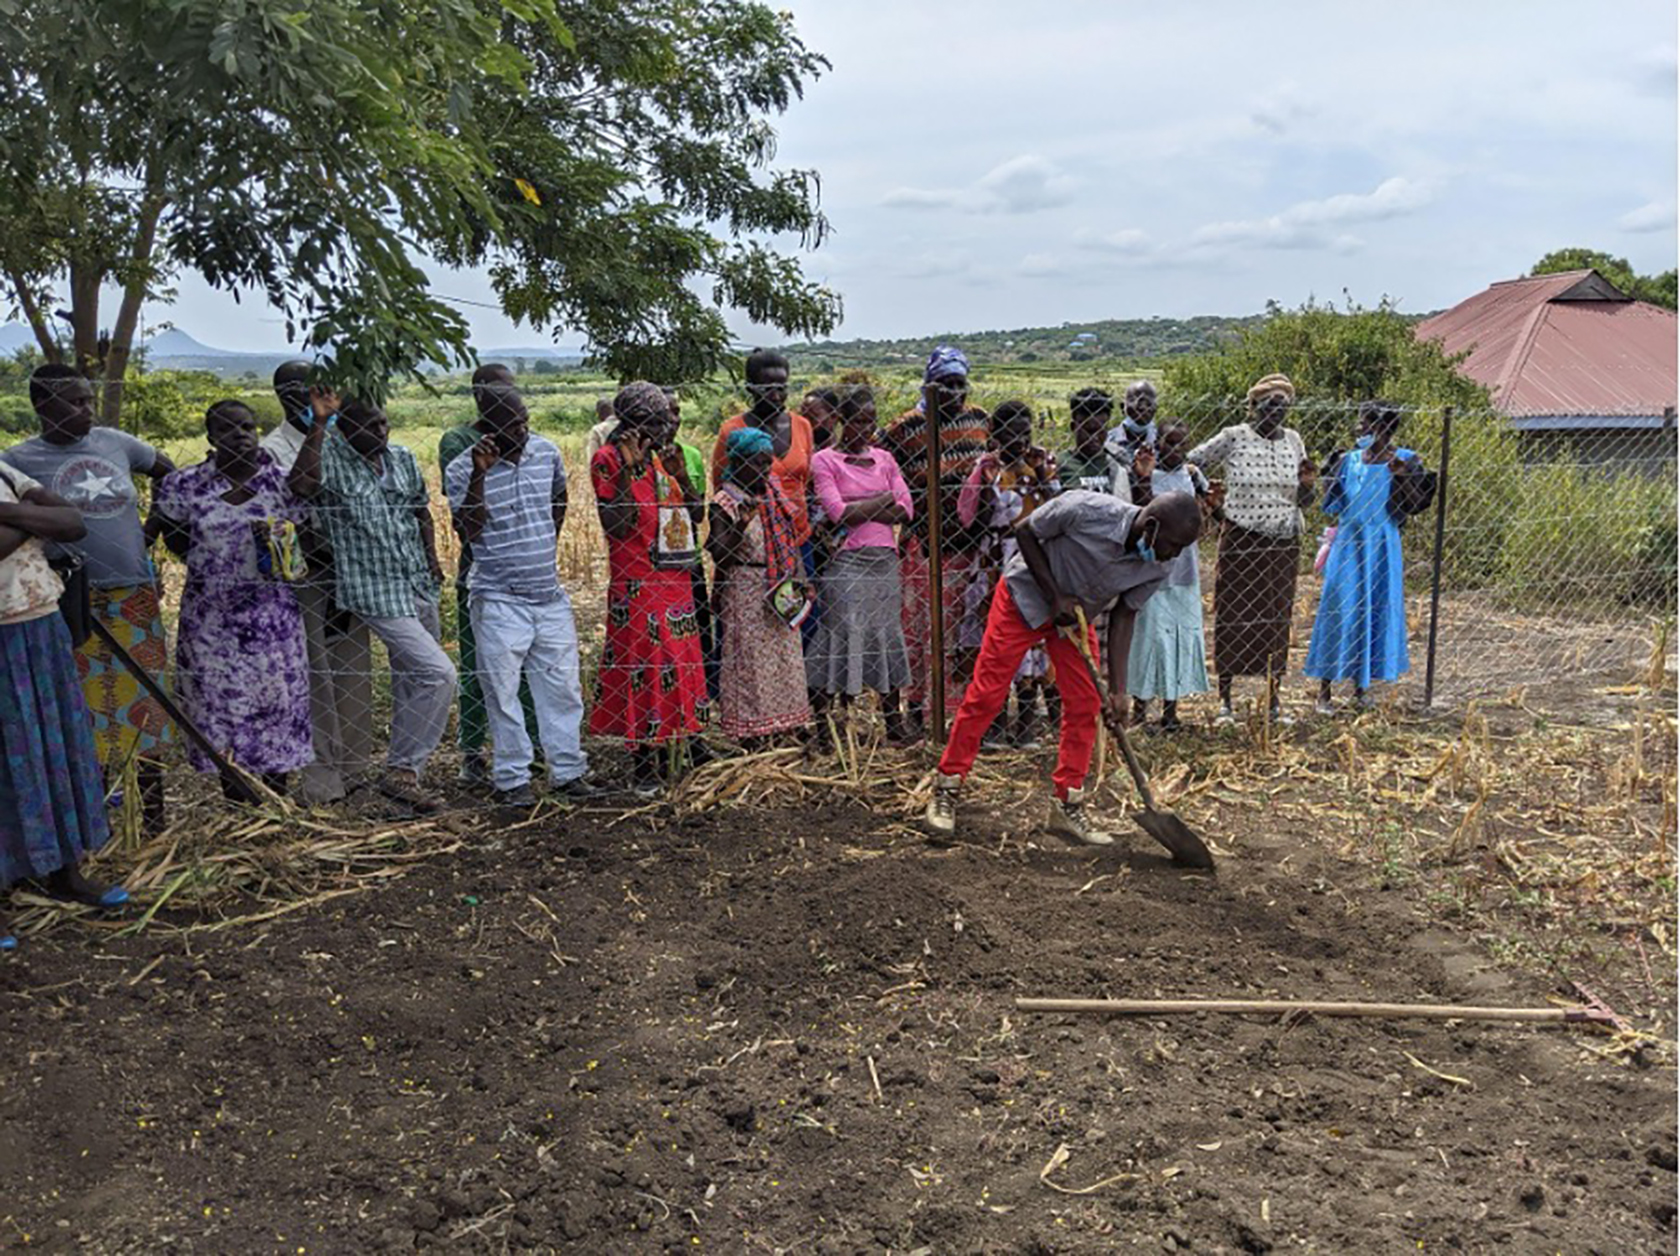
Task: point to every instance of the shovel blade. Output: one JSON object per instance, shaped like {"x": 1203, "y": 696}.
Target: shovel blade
{"x": 1178, "y": 837}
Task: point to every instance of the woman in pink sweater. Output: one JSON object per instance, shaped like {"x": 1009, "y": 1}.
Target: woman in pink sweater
{"x": 860, "y": 643}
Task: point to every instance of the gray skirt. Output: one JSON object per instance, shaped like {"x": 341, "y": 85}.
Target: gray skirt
{"x": 859, "y": 643}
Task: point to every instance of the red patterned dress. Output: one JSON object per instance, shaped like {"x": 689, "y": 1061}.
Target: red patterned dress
{"x": 652, "y": 679}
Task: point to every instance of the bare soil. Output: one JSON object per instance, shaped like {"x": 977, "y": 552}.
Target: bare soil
{"x": 793, "y": 1029}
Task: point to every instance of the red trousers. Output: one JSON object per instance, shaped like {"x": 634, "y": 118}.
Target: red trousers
{"x": 1007, "y": 640}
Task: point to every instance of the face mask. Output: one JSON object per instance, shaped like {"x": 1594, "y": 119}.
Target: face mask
{"x": 1365, "y": 441}
{"x": 1146, "y": 550}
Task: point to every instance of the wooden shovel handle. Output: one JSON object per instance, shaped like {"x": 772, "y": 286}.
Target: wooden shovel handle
{"x": 1276, "y": 1007}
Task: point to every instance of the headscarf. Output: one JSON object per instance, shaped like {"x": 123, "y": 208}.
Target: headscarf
{"x": 640, "y": 403}
{"x": 781, "y": 550}
{"x": 745, "y": 443}
{"x": 944, "y": 361}
{"x": 1278, "y": 384}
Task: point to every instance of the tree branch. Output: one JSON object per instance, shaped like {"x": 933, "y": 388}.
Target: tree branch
{"x": 128, "y": 314}
{"x": 32, "y": 313}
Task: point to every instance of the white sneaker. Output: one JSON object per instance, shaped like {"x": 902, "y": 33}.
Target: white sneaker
{"x": 941, "y": 814}
{"x": 1324, "y": 708}
{"x": 1225, "y": 716}
{"x": 1071, "y": 821}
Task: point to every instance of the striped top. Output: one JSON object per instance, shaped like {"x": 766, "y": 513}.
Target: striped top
{"x": 962, "y": 439}
{"x": 513, "y": 557}
{"x": 369, "y": 517}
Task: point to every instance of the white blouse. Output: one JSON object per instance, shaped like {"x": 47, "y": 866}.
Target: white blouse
{"x": 1262, "y": 477}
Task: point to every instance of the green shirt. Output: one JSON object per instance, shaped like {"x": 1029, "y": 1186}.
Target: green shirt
{"x": 696, "y": 463}
{"x": 369, "y": 518}
{"x": 457, "y": 441}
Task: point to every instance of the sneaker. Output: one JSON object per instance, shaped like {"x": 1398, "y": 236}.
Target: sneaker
{"x": 520, "y": 797}
{"x": 1071, "y": 821}
{"x": 474, "y": 770}
{"x": 578, "y": 789}
{"x": 1324, "y": 708}
{"x": 1280, "y": 719}
{"x": 1225, "y": 716}
{"x": 941, "y": 812}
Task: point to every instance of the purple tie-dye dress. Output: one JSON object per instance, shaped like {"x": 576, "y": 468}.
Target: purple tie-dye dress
{"x": 242, "y": 672}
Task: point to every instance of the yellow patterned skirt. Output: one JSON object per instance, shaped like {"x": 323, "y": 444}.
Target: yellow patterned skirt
{"x": 127, "y": 722}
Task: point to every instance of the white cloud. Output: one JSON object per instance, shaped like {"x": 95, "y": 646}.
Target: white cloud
{"x": 938, "y": 264}
{"x": 1021, "y": 185}
{"x": 1278, "y": 111}
{"x": 921, "y": 198}
{"x": 1040, "y": 266}
{"x": 1657, "y": 70}
{"x": 1307, "y": 224}
{"x": 1128, "y": 242}
{"x": 1657, "y": 216}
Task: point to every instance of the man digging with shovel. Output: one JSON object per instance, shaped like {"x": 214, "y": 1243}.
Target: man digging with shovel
{"x": 1078, "y": 554}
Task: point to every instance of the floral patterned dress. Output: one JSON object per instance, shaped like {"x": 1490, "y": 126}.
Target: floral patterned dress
{"x": 242, "y": 671}
{"x": 652, "y": 679}
{"x": 761, "y": 681}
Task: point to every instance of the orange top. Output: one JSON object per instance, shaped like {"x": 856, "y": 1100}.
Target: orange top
{"x": 793, "y": 469}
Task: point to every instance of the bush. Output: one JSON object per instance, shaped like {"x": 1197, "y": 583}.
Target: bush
{"x": 169, "y": 405}
{"x": 1334, "y": 358}
{"x": 1580, "y": 536}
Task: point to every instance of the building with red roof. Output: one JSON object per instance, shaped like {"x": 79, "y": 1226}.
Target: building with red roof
{"x": 1571, "y": 353}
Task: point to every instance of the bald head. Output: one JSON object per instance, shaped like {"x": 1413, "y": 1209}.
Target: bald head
{"x": 291, "y": 385}
{"x": 1170, "y": 525}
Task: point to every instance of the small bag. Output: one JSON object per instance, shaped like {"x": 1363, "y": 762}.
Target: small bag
{"x": 75, "y": 604}
{"x": 280, "y": 551}
{"x": 789, "y": 602}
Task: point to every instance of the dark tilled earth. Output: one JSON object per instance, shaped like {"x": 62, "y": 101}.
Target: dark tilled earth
{"x": 794, "y": 1031}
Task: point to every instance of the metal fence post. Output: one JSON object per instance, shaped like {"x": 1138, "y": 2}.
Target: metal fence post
{"x": 1435, "y": 562}
{"x": 936, "y": 572}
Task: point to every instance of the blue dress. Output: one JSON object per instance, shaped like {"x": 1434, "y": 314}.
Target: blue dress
{"x": 1360, "y": 631}
{"x": 1169, "y": 656}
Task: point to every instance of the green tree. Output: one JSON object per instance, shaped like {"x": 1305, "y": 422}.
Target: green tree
{"x": 1335, "y": 358}
{"x": 604, "y": 161}
{"x": 1657, "y": 289}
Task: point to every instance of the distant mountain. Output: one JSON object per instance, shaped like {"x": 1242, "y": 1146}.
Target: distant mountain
{"x": 176, "y": 343}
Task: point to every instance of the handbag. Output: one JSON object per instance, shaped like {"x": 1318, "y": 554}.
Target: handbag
{"x": 75, "y": 604}
{"x": 280, "y": 551}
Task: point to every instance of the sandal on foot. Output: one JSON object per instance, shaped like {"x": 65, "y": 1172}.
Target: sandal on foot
{"x": 70, "y": 886}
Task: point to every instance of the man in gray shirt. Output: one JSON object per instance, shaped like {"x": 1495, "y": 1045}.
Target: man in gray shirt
{"x": 1081, "y": 550}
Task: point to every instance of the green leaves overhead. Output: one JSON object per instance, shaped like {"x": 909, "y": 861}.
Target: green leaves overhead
{"x": 610, "y": 163}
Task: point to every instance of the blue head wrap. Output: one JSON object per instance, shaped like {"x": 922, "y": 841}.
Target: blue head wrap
{"x": 944, "y": 361}
{"x": 744, "y": 443}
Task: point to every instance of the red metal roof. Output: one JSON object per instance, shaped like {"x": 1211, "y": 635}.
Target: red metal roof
{"x": 1568, "y": 343}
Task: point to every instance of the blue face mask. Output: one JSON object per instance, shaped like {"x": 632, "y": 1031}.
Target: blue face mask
{"x": 1365, "y": 441}
{"x": 1146, "y": 550}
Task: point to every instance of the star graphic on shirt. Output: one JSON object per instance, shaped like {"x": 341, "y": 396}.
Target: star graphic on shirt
{"x": 92, "y": 487}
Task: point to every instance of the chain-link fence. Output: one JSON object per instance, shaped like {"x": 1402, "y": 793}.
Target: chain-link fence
{"x": 1463, "y": 552}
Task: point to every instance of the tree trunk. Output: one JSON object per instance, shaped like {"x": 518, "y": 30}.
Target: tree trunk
{"x": 84, "y": 315}
{"x": 37, "y": 321}
{"x": 128, "y": 314}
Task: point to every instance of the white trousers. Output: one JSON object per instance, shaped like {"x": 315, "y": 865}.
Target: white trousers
{"x": 422, "y": 684}
{"x": 538, "y": 640}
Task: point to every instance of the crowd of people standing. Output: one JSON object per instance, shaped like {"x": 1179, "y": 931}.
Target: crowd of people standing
{"x": 302, "y": 546}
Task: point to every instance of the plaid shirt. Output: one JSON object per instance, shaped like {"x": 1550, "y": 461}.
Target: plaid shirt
{"x": 370, "y": 521}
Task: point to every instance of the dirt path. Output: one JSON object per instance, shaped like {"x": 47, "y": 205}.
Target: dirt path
{"x": 761, "y": 1032}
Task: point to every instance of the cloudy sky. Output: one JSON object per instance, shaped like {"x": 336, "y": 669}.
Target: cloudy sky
{"x": 992, "y": 164}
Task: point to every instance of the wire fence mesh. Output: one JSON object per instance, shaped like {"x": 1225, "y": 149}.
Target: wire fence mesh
{"x": 1545, "y": 557}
